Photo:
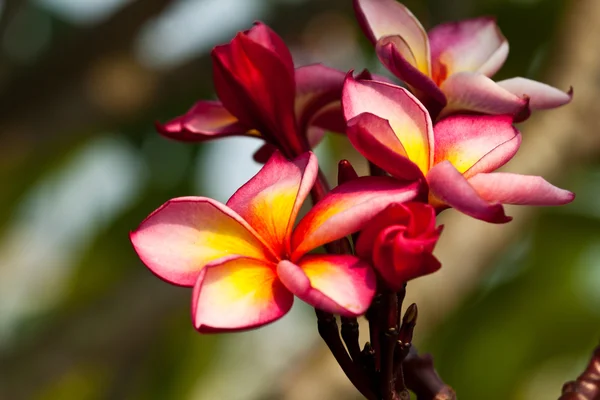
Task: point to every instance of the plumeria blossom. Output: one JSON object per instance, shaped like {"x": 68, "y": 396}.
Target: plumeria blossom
{"x": 392, "y": 129}
{"x": 262, "y": 95}
{"x": 449, "y": 67}
{"x": 400, "y": 241}
{"x": 246, "y": 260}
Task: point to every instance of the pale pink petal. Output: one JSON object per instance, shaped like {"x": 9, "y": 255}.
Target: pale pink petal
{"x": 339, "y": 284}
{"x": 473, "y": 45}
{"x": 476, "y": 143}
{"x": 184, "y": 235}
{"x": 204, "y": 121}
{"x": 317, "y": 86}
{"x": 396, "y": 56}
{"x": 541, "y": 96}
{"x": 271, "y": 200}
{"x": 475, "y": 92}
{"x": 447, "y": 185}
{"x": 407, "y": 117}
{"x": 238, "y": 295}
{"x": 347, "y": 208}
{"x": 376, "y": 141}
{"x": 507, "y": 188}
{"x": 381, "y": 18}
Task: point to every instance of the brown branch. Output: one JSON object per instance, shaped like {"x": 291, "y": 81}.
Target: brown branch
{"x": 587, "y": 385}
{"x": 422, "y": 378}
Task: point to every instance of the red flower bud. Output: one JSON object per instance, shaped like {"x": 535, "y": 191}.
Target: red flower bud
{"x": 399, "y": 241}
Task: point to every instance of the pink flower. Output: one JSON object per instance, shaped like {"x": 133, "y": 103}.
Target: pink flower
{"x": 449, "y": 68}
{"x": 399, "y": 242}
{"x": 245, "y": 259}
{"x": 455, "y": 158}
{"x": 261, "y": 95}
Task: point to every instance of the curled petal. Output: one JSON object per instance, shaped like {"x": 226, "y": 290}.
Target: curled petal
{"x": 237, "y": 295}
{"x": 475, "y": 92}
{"x": 264, "y": 36}
{"x": 449, "y": 186}
{"x": 395, "y": 54}
{"x": 271, "y": 200}
{"x": 339, "y": 284}
{"x": 476, "y": 143}
{"x": 347, "y": 208}
{"x": 381, "y": 18}
{"x": 407, "y": 117}
{"x": 507, "y": 188}
{"x": 541, "y": 96}
{"x": 474, "y": 45}
{"x": 204, "y": 121}
{"x": 184, "y": 235}
{"x": 376, "y": 141}
{"x": 318, "y": 86}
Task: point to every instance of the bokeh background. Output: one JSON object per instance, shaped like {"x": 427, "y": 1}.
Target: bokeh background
{"x": 514, "y": 313}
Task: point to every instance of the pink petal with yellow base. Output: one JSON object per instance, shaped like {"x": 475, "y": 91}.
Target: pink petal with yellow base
{"x": 450, "y": 187}
{"x": 394, "y": 53}
{"x": 465, "y": 140}
{"x": 507, "y": 188}
{"x": 204, "y": 121}
{"x": 347, "y": 208}
{"x": 474, "y": 45}
{"x": 237, "y": 295}
{"x": 406, "y": 115}
{"x": 374, "y": 138}
{"x": 271, "y": 200}
{"x": 184, "y": 235}
{"x": 474, "y": 92}
{"x": 339, "y": 284}
{"x": 541, "y": 96}
{"x": 381, "y": 18}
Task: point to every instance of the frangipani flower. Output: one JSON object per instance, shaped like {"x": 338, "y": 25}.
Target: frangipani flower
{"x": 261, "y": 95}
{"x": 449, "y": 68}
{"x": 400, "y": 242}
{"x": 246, "y": 260}
{"x": 392, "y": 129}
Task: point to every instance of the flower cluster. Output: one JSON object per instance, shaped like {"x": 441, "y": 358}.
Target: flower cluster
{"x": 438, "y": 141}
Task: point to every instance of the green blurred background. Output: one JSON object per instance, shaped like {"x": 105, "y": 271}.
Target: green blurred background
{"x": 81, "y": 83}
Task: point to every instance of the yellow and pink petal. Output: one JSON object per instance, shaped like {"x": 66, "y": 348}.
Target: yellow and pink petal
{"x": 271, "y": 200}
{"x": 347, "y": 208}
{"x": 507, "y": 188}
{"x": 475, "y": 92}
{"x": 339, "y": 284}
{"x": 473, "y": 45}
{"x": 185, "y": 234}
{"x": 407, "y": 117}
{"x": 237, "y": 295}
{"x": 476, "y": 143}
{"x": 450, "y": 188}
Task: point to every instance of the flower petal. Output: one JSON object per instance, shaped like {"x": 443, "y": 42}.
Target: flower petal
{"x": 405, "y": 114}
{"x": 185, "y": 234}
{"x": 267, "y": 38}
{"x": 347, "y": 208}
{"x": 204, "y": 121}
{"x": 473, "y": 45}
{"x": 376, "y": 141}
{"x": 465, "y": 140}
{"x": 380, "y": 18}
{"x": 396, "y": 56}
{"x": 449, "y": 186}
{"x": 271, "y": 200}
{"x": 507, "y": 188}
{"x": 475, "y": 92}
{"x": 339, "y": 284}
{"x": 541, "y": 96}
{"x": 317, "y": 86}
{"x": 237, "y": 295}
